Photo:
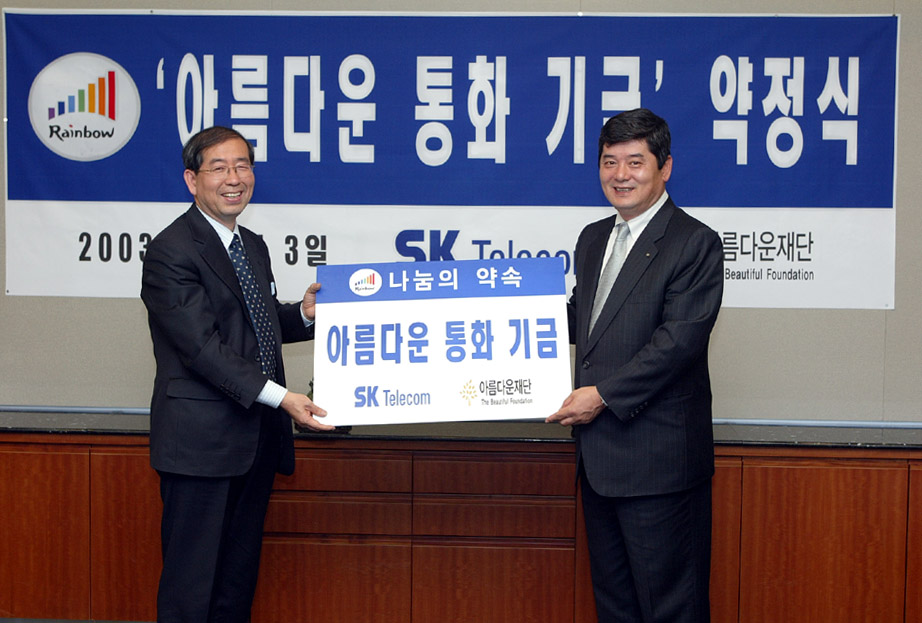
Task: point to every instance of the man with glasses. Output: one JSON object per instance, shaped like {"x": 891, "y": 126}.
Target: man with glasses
{"x": 220, "y": 424}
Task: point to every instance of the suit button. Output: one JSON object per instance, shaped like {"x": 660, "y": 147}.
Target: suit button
{"x": 586, "y": 365}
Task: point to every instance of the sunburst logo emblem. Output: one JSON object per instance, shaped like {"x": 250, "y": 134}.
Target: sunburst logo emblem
{"x": 469, "y": 392}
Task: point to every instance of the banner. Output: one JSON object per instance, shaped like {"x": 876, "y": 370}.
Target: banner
{"x": 445, "y": 341}
{"x": 453, "y": 137}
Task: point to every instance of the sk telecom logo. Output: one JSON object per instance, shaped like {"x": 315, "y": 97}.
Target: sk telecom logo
{"x": 84, "y": 106}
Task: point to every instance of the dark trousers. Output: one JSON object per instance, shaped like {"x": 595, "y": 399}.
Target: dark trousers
{"x": 211, "y": 536}
{"x": 650, "y": 556}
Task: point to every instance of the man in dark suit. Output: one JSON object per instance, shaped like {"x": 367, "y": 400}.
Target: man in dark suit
{"x": 641, "y": 410}
{"x": 220, "y": 414}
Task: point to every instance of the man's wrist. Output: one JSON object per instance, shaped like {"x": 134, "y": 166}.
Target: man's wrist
{"x": 307, "y": 321}
{"x": 601, "y": 398}
{"x": 271, "y": 394}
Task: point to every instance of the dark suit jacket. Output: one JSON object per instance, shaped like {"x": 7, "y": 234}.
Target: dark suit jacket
{"x": 647, "y": 355}
{"x": 204, "y": 419}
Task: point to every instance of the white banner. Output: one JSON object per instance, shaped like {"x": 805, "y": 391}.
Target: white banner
{"x": 806, "y": 257}
{"x": 773, "y": 257}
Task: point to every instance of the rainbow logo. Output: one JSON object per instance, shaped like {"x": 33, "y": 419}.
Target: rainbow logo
{"x": 84, "y": 106}
{"x": 98, "y": 97}
{"x": 365, "y": 281}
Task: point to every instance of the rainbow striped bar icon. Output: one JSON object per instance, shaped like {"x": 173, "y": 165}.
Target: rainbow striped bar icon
{"x": 367, "y": 281}
{"x": 98, "y": 97}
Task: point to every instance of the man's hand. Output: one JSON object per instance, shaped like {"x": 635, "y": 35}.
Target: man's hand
{"x": 308, "y": 305}
{"x": 581, "y": 407}
{"x": 302, "y": 410}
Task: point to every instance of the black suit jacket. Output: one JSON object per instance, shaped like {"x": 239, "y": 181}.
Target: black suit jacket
{"x": 204, "y": 418}
{"x": 647, "y": 355}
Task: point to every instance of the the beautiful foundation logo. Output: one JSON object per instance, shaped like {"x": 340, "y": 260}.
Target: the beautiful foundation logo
{"x": 84, "y": 106}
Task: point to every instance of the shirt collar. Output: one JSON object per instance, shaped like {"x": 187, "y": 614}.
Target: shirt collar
{"x": 638, "y": 223}
{"x": 226, "y": 235}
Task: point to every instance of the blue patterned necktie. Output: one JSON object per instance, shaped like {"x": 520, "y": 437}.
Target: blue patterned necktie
{"x": 610, "y": 271}
{"x": 256, "y": 306}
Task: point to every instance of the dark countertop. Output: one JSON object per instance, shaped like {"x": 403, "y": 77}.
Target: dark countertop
{"x": 726, "y": 432}
{"x": 106, "y": 422}
{"x": 886, "y": 435}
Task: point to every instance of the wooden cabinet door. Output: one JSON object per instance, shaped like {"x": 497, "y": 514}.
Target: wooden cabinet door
{"x": 44, "y": 532}
{"x": 725, "y": 539}
{"x": 914, "y": 547}
{"x": 334, "y": 580}
{"x": 125, "y": 534}
{"x": 494, "y": 537}
{"x": 823, "y": 540}
{"x": 492, "y": 582}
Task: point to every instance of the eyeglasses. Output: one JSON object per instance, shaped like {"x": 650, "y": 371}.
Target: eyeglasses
{"x": 242, "y": 170}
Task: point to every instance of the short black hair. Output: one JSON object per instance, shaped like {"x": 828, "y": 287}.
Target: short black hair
{"x": 639, "y": 124}
{"x": 209, "y": 137}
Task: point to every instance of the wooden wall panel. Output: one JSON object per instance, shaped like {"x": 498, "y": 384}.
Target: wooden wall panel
{"x": 44, "y": 521}
{"x": 823, "y": 540}
{"x": 492, "y": 582}
{"x": 334, "y": 581}
{"x": 9, "y": 496}
{"x": 914, "y": 546}
{"x": 125, "y": 534}
{"x": 727, "y": 496}
{"x": 584, "y": 609}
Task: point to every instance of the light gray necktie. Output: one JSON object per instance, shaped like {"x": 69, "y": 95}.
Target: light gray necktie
{"x": 610, "y": 271}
